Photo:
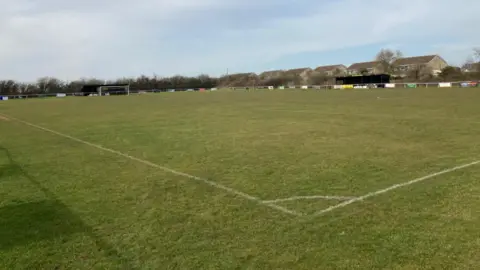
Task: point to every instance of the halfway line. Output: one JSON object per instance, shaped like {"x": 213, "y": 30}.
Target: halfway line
{"x": 146, "y": 162}
{"x": 372, "y": 194}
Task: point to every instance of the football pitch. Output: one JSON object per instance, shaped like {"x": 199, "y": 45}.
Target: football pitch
{"x": 283, "y": 179}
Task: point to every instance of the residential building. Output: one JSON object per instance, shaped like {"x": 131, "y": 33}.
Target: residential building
{"x": 299, "y": 71}
{"x": 332, "y": 70}
{"x": 271, "y": 74}
{"x": 373, "y": 67}
{"x": 433, "y": 63}
{"x": 300, "y": 75}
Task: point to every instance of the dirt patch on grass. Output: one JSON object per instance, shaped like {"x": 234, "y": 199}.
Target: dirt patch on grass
{"x": 3, "y": 118}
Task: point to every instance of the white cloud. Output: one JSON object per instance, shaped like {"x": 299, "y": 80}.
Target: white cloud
{"x": 109, "y": 39}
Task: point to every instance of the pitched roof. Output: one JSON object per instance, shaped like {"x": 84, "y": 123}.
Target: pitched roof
{"x": 329, "y": 68}
{"x": 297, "y": 70}
{"x": 272, "y": 72}
{"x": 364, "y": 65}
{"x": 416, "y": 60}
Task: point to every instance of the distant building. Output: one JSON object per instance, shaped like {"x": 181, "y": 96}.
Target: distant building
{"x": 372, "y": 67}
{"x": 299, "y": 71}
{"x": 434, "y": 63}
{"x": 298, "y": 75}
{"x": 332, "y": 70}
{"x": 271, "y": 74}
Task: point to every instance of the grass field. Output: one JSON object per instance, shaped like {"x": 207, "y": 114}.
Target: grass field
{"x": 215, "y": 180}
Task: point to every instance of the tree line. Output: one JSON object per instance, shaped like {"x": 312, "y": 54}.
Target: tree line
{"x": 386, "y": 57}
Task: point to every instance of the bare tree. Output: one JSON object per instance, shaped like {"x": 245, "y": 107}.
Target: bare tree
{"x": 476, "y": 63}
{"x": 8, "y": 87}
{"x": 43, "y": 84}
{"x": 50, "y": 85}
{"x": 387, "y": 58}
{"x": 23, "y": 88}
{"x": 476, "y": 53}
{"x": 469, "y": 64}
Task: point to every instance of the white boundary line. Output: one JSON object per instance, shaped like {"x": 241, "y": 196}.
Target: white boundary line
{"x": 151, "y": 164}
{"x": 376, "y": 193}
{"x": 314, "y": 197}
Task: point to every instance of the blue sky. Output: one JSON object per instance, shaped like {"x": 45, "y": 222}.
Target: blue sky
{"x": 118, "y": 38}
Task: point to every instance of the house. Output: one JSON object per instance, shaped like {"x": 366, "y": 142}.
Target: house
{"x": 373, "y": 67}
{"x": 297, "y": 75}
{"x": 332, "y": 70}
{"x": 433, "y": 63}
{"x": 271, "y": 74}
{"x": 299, "y": 72}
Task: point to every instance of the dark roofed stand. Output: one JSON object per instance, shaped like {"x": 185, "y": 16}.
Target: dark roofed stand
{"x": 113, "y": 89}
{"x": 379, "y": 80}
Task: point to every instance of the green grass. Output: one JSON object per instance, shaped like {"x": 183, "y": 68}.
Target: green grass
{"x": 68, "y": 205}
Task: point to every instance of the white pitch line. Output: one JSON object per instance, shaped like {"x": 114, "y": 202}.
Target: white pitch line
{"x": 372, "y": 194}
{"x": 281, "y": 208}
{"x": 314, "y": 197}
{"x": 146, "y": 162}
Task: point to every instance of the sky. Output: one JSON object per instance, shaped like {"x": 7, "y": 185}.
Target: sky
{"x": 109, "y": 39}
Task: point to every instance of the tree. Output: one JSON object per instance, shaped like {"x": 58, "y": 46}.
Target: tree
{"x": 42, "y": 84}
{"x": 387, "y": 58}
{"x": 338, "y": 72}
{"x": 318, "y": 78}
{"x": 476, "y": 53}
{"x": 475, "y": 65}
{"x": 469, "y": 65}
{"x": 290, "y": 79}
{"x": 364, "y": 71}
{"x": 50, "y": 85}
{"x": 450, "y": 73}
{"x": 419, "y": 74}
{"x": 8, "y": 87}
